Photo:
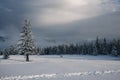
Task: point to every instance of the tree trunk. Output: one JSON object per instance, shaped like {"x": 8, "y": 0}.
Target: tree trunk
{"x": 27, "y": 57}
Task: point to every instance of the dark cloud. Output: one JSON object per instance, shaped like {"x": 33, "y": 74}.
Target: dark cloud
{"x": 60, "y": 21}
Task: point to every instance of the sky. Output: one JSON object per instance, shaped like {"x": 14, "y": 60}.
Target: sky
{"x": 60, "y": 21}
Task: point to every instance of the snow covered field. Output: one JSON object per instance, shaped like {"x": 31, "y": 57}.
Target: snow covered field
{"x": 52, "y": 67}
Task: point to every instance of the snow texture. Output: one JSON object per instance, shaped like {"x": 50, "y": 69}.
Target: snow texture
{"x": 70, "y": 67}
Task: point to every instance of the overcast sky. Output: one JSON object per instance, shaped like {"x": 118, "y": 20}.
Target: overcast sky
{"x": 60, "y": 21}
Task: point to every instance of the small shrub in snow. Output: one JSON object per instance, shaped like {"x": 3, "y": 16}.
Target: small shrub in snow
{"x": 5, "y": 54}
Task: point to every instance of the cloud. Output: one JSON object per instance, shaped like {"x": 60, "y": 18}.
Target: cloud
{"x": 60, "y": 20}
{"x": 8, "y": 10}
{"x": 65, "y": 11}
{"x": 55, "y": 16}
{"x": 5, "y": 9}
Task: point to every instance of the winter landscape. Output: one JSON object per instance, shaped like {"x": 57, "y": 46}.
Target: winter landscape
{"x": 60, "y": 40}
{"x": 53, "y": 67}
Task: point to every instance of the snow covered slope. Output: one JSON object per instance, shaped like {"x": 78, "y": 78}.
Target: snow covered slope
{"x": 70, "y": 67}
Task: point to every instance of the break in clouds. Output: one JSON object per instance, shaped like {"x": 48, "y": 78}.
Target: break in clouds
{"x": 60, "y": 21}
{"x": 66, "y": 11}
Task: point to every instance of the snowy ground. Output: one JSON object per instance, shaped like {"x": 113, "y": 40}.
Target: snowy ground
{"x": 70, "y": 67}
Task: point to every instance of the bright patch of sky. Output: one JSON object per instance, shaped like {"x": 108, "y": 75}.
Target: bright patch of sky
{"x": 65, "y": 11}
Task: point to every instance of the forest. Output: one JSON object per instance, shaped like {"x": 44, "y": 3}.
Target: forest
{"x": 96, "y": 47}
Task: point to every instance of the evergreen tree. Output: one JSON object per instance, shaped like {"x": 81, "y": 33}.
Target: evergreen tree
{"x": 114, "y": 51}
{"x": 26, "y": 43}
{"x": 109, "y": 47}
{"x": 97, "y": 46}
{"x": 11, "y": 50}
{"x": 5, "y": 54}
{"x": 104, "y": 47}
{"x": 95, "y": 53}
{"x": 118, "y": 47}
{"x": 1, "y": 53}
{"x": 38, "y": 51}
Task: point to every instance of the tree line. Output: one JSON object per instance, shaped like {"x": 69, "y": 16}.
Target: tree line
{"x": 96, "y": 47}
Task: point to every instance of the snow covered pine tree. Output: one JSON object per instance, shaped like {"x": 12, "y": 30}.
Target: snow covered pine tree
{"x": 26, "y": 43}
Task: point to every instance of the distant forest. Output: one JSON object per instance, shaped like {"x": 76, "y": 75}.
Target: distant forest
{"x": 96, "y": 47}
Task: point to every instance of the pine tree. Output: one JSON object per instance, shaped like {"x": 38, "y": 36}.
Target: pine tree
{"x": 118, "y": 47}
{"x": 104, "y": 47}
{"x": 26, "y": 43}
{"x": 5, "y": 54}
{"x": 114, "y": 51}
{"x": 95, "y": 53}
{"x": 97, "y": 46}
{"x": 0, "y": 52}
{"x": 12, "y": 50}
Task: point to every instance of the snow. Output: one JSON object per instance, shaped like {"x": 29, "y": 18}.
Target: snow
{"x": 53, "y": 67}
